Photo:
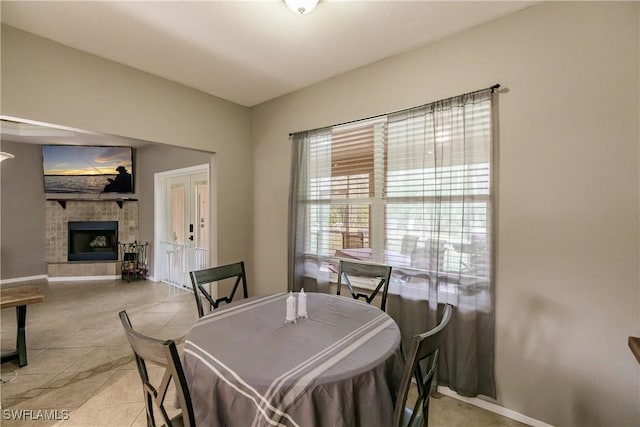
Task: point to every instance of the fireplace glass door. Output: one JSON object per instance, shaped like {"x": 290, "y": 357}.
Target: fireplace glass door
{"x": 93, "y": 240}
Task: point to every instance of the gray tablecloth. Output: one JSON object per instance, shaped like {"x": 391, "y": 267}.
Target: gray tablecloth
{"x": 340, "y": 367}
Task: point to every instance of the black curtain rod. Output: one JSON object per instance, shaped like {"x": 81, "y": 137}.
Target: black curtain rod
{"x": 493, "y": 88}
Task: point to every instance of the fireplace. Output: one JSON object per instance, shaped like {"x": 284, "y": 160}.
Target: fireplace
{"x": 93, "y": 240}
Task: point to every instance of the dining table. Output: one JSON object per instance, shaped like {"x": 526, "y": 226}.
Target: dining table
{"x": 341, "y": 366}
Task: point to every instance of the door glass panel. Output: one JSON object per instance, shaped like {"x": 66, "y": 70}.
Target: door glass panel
{"x": 202, "y": 217}
{"x": 178, "y": 207}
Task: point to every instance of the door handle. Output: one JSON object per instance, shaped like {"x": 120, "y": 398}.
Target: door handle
{"x": 191, "y": 237}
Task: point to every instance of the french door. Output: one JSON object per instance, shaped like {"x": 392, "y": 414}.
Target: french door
{"x": 183, "y": 226}
{"x": 188, "y": 210}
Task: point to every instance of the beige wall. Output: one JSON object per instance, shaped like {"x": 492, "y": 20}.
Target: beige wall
{"x": 48, "y": 82}
{"x": 568, "y": 214}
{"x": 23, "y": 247}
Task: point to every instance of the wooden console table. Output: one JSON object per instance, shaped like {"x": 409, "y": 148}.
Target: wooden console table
{"x": 19, "y": 298}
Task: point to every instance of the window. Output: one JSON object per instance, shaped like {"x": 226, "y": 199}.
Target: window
{"x": 410, "y": 189}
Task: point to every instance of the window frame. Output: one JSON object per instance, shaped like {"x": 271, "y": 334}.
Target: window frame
{"x": 379, "y": 202}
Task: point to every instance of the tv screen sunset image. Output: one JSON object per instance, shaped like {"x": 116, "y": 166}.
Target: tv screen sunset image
{"x": 87, "y": 169}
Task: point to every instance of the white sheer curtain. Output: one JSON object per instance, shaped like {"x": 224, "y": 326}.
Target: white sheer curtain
{"x": 412, "y": 189}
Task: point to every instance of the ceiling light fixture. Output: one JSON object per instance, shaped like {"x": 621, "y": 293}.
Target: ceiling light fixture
{"x": 301, "y": 7}
{"x": 4, "y": 156}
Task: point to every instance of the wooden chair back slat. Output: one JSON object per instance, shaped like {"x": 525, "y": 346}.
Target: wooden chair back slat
{"x": 347, "y": 269}
{"x": 200, "y": 278}
{"x": 165, "y": 355}
{"x": 421, "y": 364}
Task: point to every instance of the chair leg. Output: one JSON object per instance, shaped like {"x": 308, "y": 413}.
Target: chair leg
{"x": 21, "y": 340}
{"x": 151, "y": 422}
{"x": 425, "y": 420}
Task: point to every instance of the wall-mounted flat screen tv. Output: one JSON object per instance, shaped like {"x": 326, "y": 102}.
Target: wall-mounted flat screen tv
{"x": 87, "y": 169}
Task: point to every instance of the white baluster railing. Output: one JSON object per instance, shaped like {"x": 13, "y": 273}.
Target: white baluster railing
{"x": 177, "y": 260}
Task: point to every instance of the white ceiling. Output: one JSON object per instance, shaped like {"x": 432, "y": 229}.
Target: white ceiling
{"x": 248, "y": 52}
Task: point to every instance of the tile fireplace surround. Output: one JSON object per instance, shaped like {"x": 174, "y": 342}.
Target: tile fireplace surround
{"x": 57, "y": 216}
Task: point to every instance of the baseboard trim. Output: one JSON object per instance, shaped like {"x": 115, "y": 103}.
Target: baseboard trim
{"x": 63, "y": 278}
{"x": 83, "y": 278}
{"x": 492, "y": 407}
{"x": 22, "y": 279}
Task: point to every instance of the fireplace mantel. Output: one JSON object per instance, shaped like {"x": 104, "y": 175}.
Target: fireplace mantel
{"x": 63, "y": 202}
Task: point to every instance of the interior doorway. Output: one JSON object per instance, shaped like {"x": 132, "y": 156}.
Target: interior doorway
{"x": 183, "y": 224}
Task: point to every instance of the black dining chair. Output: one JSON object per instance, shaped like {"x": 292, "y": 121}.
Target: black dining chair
{"x": 165, "y": 355}
{"x": 382, "y": 273}
{"x": 200, "y": 278}
{"x": 421, "y": 364}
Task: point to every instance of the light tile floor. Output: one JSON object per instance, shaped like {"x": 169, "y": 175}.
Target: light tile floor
{"x": 80, "y": 361}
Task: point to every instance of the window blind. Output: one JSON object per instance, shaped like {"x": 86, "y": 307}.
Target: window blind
{"x": 438, "y": 186}
{"x": 405, "y": 186}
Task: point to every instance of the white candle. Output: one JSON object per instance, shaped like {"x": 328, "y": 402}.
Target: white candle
{"x": 291, "y": 309}
{"x": 302, "y": 305}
